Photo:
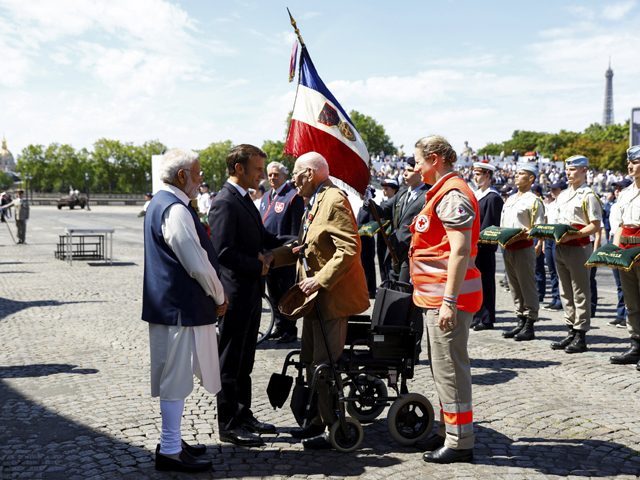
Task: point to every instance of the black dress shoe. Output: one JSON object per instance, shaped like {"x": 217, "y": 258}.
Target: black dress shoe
{"x": 432, "y": 443}
{"x": 240, "y": 436}
{"x": 448, "y": 455}
{"x": 308, "y": 432}
{"x": 483, "y": 326}
{"x": 617, "y": 321}
{"x": 187, "y": 463}
{"x": 475, "y": 322}
{"x": 287, "y": 338}
{"x": 321, "y": 442}
{"x": 194, "y": 450}
{"x": 277, "y": 333}
{"x": 253, "y": 425}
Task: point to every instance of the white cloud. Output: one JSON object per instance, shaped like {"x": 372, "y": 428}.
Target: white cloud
{"x": 618, "y": 11}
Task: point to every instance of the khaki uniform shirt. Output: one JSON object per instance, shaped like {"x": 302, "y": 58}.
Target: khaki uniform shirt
{"x": 578, "y": 207}
{"x": 629, "y": 204}
{"x": 522, "y": 211}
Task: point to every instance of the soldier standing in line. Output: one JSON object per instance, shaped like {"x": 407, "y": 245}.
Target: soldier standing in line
{"x": 579, "y": 207}
{"x": 628, "y": 236}
{"x": 523, "y": 210}
{"x": 490, "y": 205}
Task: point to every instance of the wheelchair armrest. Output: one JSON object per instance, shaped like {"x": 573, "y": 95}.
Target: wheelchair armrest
{"x": 387, "y": 329}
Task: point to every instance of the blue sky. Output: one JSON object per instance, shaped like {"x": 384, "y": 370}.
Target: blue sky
{"x": 190, "y": 72}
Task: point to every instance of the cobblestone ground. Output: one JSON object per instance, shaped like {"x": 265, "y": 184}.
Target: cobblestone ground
{"x": 75, "y": 404}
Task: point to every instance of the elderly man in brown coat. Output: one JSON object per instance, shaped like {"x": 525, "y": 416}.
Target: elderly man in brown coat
{"x": 333, "y": 252}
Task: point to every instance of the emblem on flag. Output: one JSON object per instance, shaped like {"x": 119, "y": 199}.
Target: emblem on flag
{"x": 329, "y": 117}
{"x": 422, "y": 222}
{"x": 279, "y": 207}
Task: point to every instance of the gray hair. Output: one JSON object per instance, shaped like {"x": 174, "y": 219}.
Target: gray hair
{"x": 316, "y": 162}
{"x": 175, "y": 160}
{"x": 277, "y": 165}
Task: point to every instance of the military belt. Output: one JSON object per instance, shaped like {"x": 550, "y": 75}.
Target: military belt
{"x": 630, "y": 240}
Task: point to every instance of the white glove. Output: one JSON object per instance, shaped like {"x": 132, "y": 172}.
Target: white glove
{"x": 367, "y": 197}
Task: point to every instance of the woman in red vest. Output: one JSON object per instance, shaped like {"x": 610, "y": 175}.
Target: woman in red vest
{"x": 448, "y": 286}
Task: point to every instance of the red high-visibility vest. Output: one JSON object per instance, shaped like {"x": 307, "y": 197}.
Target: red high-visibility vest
{"x": 430, "y": 251}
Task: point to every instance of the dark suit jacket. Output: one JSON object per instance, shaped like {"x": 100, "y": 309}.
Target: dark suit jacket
{"x": 490, "y": 208}
{"x": 238, "y": 235}
{"x": 401, "y": 219}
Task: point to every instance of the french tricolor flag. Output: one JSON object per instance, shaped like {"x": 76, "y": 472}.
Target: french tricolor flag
{"x": 320, "y": 124}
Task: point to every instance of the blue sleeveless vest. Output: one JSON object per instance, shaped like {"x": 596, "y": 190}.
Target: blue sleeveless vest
{"x": 168, "y": 291}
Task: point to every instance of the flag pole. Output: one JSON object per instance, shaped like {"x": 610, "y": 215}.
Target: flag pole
{"x": 293, "y": 22}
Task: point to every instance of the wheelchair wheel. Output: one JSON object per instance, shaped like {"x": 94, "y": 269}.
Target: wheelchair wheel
{"x": 410, "y": 419}
{"x": 346, "y": 444}
{"x": 267, "y": 319}
{"x": 372, "y": 390}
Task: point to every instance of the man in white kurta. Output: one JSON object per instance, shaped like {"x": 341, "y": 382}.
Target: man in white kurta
{"x": 182, "y": 298}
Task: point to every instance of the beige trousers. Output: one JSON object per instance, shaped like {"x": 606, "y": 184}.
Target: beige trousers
{"x": 521, "y": 273}
{"x": 630, "y": 282}
{"x": 451, "y": 369}
{"x": 314, "y": 352}
{"x": 575, "y": 288}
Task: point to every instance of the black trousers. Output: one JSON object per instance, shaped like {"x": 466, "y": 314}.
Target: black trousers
{"x": 279, "y": 280}
{"x": 237, "y": 350}
{"x": 368, "y": 258}
{"x": 486, "y": 263}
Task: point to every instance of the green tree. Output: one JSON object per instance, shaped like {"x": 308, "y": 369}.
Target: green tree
{"x": 373, "y": 134}
{"x": 6, "y": 180}
{"x": 213, "y": 161}
{"x": 275, "y": 153}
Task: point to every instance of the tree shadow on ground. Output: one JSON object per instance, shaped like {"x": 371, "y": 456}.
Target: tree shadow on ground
{"x": 504, "y": 369}
{"x": 42, "y": 370}
{"x": 114, "y": 264}
{"x": 13, "y": 306}
{"x": 554, "y": 456}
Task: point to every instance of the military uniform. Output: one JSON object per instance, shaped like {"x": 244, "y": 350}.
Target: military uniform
{"x": 578, "y": 208}
{"x": 522, "y": 211}
{"x": 629, "y": 205}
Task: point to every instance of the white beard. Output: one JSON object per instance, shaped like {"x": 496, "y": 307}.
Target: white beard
{"x": 191, "y": 190}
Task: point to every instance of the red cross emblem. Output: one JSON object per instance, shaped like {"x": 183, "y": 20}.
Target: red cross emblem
{"x": 279, "y": 207}
{"x": 422, "y": 222}
{"x": 461, "y": 211}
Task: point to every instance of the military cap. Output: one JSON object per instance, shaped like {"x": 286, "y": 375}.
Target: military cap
{"x": 536, "y": 188}
{"x": 204, "y": 184}
{"x": 390, "y": 182}
{"x": 529, "y": 167}
{"x": 411, "y": 161}
{"x": 484, "y": 165}
{"x": 633, "y": 153}
{"x": 577, "y": 161}
{"x": 624, "y": 183}
{"x": 561, "y": 184}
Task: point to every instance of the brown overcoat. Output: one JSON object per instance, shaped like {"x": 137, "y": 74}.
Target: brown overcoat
{"x": 333, "y": 253}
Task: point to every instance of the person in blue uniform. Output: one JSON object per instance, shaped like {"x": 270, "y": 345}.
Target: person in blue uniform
{"x": 281, "y": 211}
{"x": 490, "y": 204}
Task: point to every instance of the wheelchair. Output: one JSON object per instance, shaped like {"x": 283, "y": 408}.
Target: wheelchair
{"x": 380, "y": 355}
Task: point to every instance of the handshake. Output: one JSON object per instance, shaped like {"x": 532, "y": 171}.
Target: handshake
{"x": 266, "y": 260}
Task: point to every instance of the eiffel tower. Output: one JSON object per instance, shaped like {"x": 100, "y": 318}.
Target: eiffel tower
{"x": 607, "y": 116}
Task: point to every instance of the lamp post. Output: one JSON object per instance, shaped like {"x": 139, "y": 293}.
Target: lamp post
{"x": 148, "y": 177}
{"x": 133, "y": 183}
{"x": 86, "y": 187}
{"x": 28, "y": 178}
{"x": 215, "y": 186}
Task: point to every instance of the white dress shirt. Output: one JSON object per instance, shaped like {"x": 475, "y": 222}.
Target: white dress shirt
{"x": 204, "y": 202}
{"x": 629, "y": 201}
{"x": 179, "y": 232}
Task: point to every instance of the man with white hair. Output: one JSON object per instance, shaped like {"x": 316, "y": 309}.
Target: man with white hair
{"x": 330, "y": 232}
{"x": 182, "y": 296}
{"x": 281, "y": 211}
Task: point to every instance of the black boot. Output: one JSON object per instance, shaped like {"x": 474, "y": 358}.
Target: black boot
{"x": 579, "y": 343}
{"x": 630, "y": 356}
{"x": 565, "y": 342}
{"x": 512, "y": 333}
{"x": 527, "y": 332}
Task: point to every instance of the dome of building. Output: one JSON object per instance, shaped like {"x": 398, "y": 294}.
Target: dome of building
{"x": 7, "y": 163}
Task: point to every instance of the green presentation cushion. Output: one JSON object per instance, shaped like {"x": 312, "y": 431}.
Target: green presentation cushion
{"x": 371, "y": 228}
{"x": 550, "y": 231}
{"x": 614, "y": 257}
{"x": 204, "y": 218}
{"x": 501, "y": 236}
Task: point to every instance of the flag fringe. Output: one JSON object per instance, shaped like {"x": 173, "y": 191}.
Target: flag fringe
{"x": 345, "y": 186}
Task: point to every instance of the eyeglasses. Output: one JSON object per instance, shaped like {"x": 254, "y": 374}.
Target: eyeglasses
{"x": 188, "y": 170}
{"x": 295, "y": 174}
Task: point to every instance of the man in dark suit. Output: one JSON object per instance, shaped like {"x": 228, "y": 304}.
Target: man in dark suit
{"x": 239, "y": 238}
{"x": 490, "y": 205}
{"x": 281, "y": 210}
{"x": 390, "y": 187}
{"x": 402, "y": 209}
